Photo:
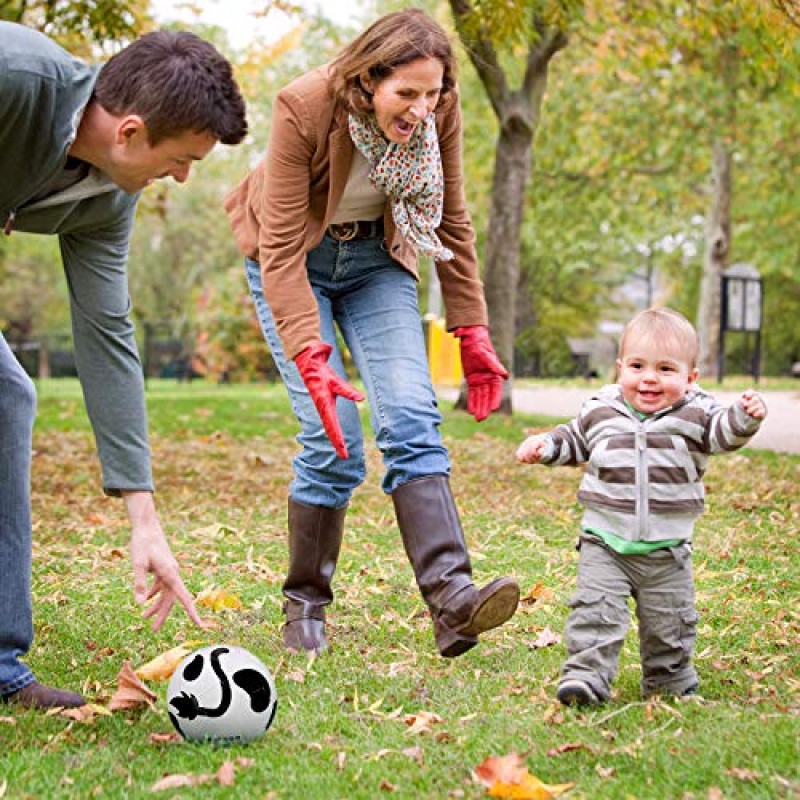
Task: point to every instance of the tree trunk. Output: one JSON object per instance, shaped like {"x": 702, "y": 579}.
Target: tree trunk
{"x": 718, "y": 240}
{"x": 518, "y": 113}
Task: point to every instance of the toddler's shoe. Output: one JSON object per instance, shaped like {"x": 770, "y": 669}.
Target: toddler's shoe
{"x": 573, "y": 692}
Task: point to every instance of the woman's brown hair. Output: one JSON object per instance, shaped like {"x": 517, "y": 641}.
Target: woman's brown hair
{"x": 390, "y": 42}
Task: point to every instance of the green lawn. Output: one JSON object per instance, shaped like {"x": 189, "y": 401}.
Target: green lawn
{"x": 222, "y": 462}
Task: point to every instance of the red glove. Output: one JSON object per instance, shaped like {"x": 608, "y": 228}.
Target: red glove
{"x": 482, "y": 369}
{"x": 324, "y": 385}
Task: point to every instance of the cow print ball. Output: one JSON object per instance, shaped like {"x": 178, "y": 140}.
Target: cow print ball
{"x": 221, "y": 694}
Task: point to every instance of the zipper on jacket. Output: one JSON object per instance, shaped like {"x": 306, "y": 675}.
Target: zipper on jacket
{"x": 9, "y": 226}
{"x": 643, "y": 482}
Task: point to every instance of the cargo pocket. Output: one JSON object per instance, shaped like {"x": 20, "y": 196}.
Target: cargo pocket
{"x": 594, "y": 619}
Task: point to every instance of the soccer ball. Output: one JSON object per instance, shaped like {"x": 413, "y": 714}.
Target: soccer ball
{"x": 221, "y": 694}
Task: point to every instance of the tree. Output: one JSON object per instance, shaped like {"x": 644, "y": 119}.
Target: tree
{"x": 538, "y": 30}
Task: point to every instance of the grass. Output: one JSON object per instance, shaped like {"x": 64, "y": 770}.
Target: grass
{"x": 222, "y": 462}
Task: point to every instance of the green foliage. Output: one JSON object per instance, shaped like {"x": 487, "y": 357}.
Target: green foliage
{"x": 81, "y": 24}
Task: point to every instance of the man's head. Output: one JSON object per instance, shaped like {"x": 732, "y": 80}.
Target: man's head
{"x": 162, "y": 102}
{"x": 657, "y": 360}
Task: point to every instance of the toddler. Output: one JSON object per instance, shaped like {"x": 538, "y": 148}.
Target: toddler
{"x": 645, "y": 442}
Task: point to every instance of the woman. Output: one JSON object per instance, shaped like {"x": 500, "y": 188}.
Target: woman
{"x": 363, "y": 172}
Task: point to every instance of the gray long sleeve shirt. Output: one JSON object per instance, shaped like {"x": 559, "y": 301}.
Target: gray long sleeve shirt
{"x": 43, "y": 93}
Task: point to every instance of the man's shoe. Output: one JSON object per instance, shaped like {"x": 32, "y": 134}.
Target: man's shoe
{"x": 37, "y": 695}
{"x": 573, "y": 692}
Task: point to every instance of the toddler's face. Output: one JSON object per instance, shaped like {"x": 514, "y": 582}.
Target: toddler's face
{"x": 653, "y": 378}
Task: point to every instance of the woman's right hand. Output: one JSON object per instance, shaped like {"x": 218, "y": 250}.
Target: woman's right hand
{"x": 324, "y": 385}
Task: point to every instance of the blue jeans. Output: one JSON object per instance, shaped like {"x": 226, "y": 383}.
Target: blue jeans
{"x": 373, "y": 301}
{"x": 17, "y": 412}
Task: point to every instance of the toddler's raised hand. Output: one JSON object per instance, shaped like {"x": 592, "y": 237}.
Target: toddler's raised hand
{"x": 753, "y": 404}
{"x": 532, "y": 449}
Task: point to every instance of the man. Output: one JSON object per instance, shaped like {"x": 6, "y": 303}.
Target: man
{"x": 77, "y": 145}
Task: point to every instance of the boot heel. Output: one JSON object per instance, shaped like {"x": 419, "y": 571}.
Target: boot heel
{"x": 451, "y": 643}
{"x": 497, "y": 602}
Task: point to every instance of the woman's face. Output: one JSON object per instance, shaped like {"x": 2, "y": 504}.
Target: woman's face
{"x": 406, "y": 97}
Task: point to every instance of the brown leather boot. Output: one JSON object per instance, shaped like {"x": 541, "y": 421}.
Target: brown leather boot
{"x": 315, "y": 537}
{"x": 434, "y": 542}
{"x": 37, "y": 695}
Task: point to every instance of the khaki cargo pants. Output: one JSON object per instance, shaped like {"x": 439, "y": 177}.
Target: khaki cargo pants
{"x": 662, "y": 587}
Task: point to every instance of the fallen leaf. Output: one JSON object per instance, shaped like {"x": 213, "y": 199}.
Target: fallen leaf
{"x": 505, "y": 769}
{"x": 85, "y": 713}
{"x": 546, "y": 638}
{"x": 538, "y": 592}
{"x": 226, "y": 774}
{"x": 178, "y": 781}
{"x": 131, "y": 692}
{"x": 218, "y": 600}
{"x": 508, "y": 777}
{"x": 162, "y": 667}
{"x": 566, "y": 748}
{"x": 605, "y": 772}
{"x": 8, "y": 720}
{"x": 743, "y": 774}
{"x": 422, "y": 722}
{"x": 416, "y": 754}
{"x": 387, "y": 787}
{"x": 165, "y": 738}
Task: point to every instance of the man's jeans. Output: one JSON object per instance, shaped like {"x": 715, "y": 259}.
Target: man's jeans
{"x": 373, "y": 300}
{"x": 17, "y": 412}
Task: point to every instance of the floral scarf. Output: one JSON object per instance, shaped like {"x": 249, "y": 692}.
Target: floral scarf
{"x": 411, "y": 177}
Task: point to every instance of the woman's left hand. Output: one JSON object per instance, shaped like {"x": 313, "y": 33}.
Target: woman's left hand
{"x": 482, "y": 370}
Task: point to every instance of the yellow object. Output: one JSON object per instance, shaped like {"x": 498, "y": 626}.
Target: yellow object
{"x": 444, "y": 355}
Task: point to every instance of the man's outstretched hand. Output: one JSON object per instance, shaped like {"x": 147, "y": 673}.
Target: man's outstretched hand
{"x": 151, "y": 555}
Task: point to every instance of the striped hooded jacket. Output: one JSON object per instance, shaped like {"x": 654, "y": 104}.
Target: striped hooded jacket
{"x": 643, "y": 479}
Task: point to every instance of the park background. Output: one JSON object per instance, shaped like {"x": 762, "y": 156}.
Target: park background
{"x": 652, "y": 146}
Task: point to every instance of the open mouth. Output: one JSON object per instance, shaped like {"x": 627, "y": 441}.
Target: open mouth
{"x": 404, "y": 128}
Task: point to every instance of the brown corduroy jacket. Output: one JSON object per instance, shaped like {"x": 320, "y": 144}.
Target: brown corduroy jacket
{"x": 280, "y": 211}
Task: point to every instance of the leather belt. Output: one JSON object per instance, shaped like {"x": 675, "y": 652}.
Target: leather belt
{"x": 357, "y": 229}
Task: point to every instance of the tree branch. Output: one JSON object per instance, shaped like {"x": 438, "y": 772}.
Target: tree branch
{"x": 482, "y": 54}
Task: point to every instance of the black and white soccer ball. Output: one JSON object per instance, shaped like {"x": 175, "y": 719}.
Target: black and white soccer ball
{"x": 221, "y": 694}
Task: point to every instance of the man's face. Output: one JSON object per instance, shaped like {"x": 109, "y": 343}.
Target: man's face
{"x": 135, "y": 163}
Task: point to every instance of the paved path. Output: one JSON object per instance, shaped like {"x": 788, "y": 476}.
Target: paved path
{"x": 780, "y": 431}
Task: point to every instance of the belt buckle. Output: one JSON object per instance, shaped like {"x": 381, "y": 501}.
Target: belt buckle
{"x": 344, "y": 231}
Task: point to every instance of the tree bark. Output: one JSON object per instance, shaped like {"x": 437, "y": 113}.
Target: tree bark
{"x": 717, "y": 248}
{"x": 718, "y": 217}
{"x": 518, "y": 113}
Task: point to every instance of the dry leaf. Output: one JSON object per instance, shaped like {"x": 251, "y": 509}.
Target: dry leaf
{"x": 218, "y": 600}
{"x": 85, "y": 713}
{"x": 131, "y": 692}
{"x": 508, "y": 777}
{"x": 422, "y": 722}
{"x": 546, "y": 638}
{"x": 178, "y": 781}
{"x": 226, "y": 774}
{"x": 162, "y": 667}
{"x": 538, "y": 592}
{"x": 566, "y": 748}
{"x": 506, "y": 769}
{"x": 743, "y": 774}
{"x": 165, "y": 738}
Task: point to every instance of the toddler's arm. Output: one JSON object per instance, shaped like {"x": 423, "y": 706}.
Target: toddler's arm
{"x": 753, "y": 404}
{"x": 532, "y": 449}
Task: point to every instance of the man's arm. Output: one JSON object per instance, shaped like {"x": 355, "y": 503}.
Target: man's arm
{"x": 113, "y": 387}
